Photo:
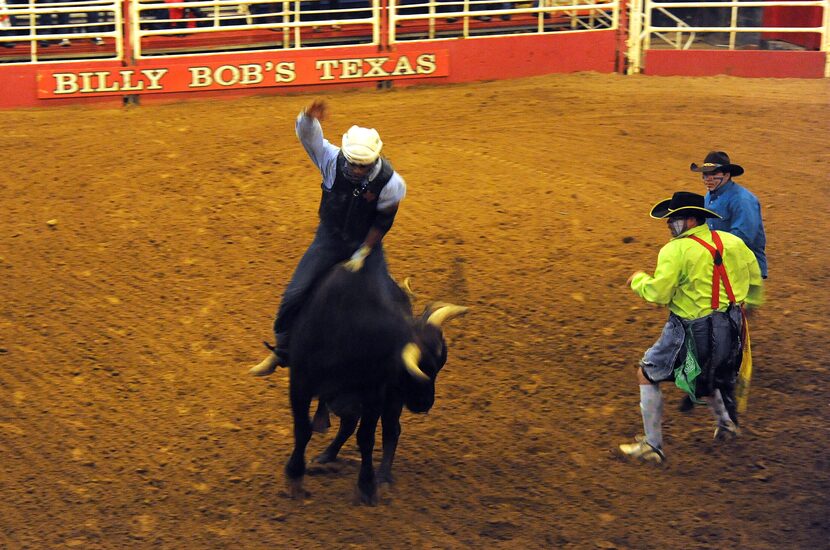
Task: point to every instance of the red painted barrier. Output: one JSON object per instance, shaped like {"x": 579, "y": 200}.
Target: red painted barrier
{"x": 284, "y": 71}
{"x": 452, "y": 60}
{"x": 748, "y": 63}
{"x": 19, "y": 84}
{"x": 260, "y": 70}
{"x": 795, "y": 16}
{"x": 469, "y": 61}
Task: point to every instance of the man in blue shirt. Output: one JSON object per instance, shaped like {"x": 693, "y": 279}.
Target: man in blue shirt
{"x": 739, "y": 209}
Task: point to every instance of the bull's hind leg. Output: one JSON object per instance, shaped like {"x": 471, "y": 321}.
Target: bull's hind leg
{"x": 295, "y": 468}
{"x": 367, "y": 490}
{"x": 347, "y": 427}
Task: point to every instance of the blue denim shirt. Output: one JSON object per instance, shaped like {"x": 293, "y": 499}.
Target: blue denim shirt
{"x": 741, "y": 213}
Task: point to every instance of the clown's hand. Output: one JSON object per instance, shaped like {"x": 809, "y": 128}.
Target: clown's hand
{"x": 356, "y": 261}
{"x": 631, "y": 277}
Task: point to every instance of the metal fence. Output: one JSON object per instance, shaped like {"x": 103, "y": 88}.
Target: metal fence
{"x": 712, "y": 25}
{"x": 44, "y": 30}
{"x": 99, "y": 29}
{"x": 472, "y": 18}
{"x": 250, "y": 25}
{"x": 38, "y": 31}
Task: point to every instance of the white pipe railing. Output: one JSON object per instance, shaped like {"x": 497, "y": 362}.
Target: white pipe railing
{"x": 641, "y": 28}
{"x": 583, "y": 17}
{"x": 29, "y": 35}
{"x": 678, "y": 34}
{"x": 35, "y": 24}
{"x": 289, "y": 20}
{"x": 825, "y": 39}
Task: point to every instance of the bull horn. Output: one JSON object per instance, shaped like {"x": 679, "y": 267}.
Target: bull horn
{"x": 405, "y": 286}
{"x": 445, "y": 313}
{"x": 411, "y": 355}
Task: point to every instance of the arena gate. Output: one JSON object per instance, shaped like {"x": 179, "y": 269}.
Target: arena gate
{"x": 130, "y": 51}
{"x": 743, "y": 38}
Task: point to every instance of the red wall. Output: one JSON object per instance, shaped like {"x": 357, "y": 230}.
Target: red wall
{"x": 751, "y": 63}
{"x": 519, "y": 56}
{"x": 796, "y": 16}
{"x": 470, "y": 60}
{"x": 18, "y": 84}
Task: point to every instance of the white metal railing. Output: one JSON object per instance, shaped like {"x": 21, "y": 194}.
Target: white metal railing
{"x": 286, "y": 19}
{"x": 38, "y": 27}
{"x": 596, "y": 18}
{"x": 425, "y": 20}
{"x": 538, "y": 17}
{"x": 38, "y": 32}
{"x": 212, "y": 26}
{"x": 641, "y": 28}
{"x": 681, "y": 28}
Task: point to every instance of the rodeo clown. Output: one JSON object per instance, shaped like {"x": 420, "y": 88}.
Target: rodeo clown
{"x": 704, "y": 277}
{"x": 361, "y": 194}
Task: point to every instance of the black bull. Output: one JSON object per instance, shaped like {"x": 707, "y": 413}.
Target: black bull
{"x": 360, "y": 350}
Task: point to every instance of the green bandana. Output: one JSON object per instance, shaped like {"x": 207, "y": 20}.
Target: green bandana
{"x": 686, "y": 374}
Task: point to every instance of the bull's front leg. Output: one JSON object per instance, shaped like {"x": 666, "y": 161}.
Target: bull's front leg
{"x": 391, "y": 420}
{"x": 347, "y": 427}
{"x": 366, "y": 486}
{"x": 295, "y": 467}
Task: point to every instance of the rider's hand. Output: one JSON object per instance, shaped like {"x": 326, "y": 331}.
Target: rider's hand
{"x": 356, "y": 261}
{"x": 317, "y": 109}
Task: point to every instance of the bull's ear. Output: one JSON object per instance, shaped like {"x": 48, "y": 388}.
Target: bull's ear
{"x": 407, "y": 288}
{"x": 411, "y": 356}
{"x": 444, "y": 313}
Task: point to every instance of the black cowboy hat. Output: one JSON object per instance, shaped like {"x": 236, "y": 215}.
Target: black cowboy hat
{"x": 681, "y": 204}
{"x": 717, "y": 161}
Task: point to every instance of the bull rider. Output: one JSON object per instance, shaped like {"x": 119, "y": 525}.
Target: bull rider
{"x": 361, "y": 193}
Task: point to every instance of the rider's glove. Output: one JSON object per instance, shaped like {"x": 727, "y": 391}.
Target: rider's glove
{"x": 356, "y": 261}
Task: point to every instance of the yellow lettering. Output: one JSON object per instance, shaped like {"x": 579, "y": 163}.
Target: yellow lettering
{"x": 127, "y": 86}
{"x": 285, "y": 72}
{"x": 376, "y": 66}
{"x": 351, "y": 68}
{"x": 251, "y": 74}
{"x": 66, "y": 83}
{"x": 426, "y": 63}
{"x": 86, "y": 83}
{"x": 403, "y": 66}
{"x": 102, "y": 82}
{"x": 218, "y": 75}
{"x": 199, "y": 77}
{"x": 327, "y": 65}
{"x": 154, "y": 75}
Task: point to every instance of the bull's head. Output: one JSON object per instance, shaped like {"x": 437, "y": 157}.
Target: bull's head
{"x": 424, "y": 357}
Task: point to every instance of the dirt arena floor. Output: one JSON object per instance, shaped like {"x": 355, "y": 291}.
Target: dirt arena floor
{"x": 143, "y": 252}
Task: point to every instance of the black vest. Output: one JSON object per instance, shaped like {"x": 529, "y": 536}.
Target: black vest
{"x": 349, "y": 209}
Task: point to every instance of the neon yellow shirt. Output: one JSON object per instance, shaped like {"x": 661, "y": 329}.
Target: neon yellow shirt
{"x": 683, "y": 277}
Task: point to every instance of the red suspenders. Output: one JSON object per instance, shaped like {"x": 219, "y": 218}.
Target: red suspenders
{"x": 719, "y": 272}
